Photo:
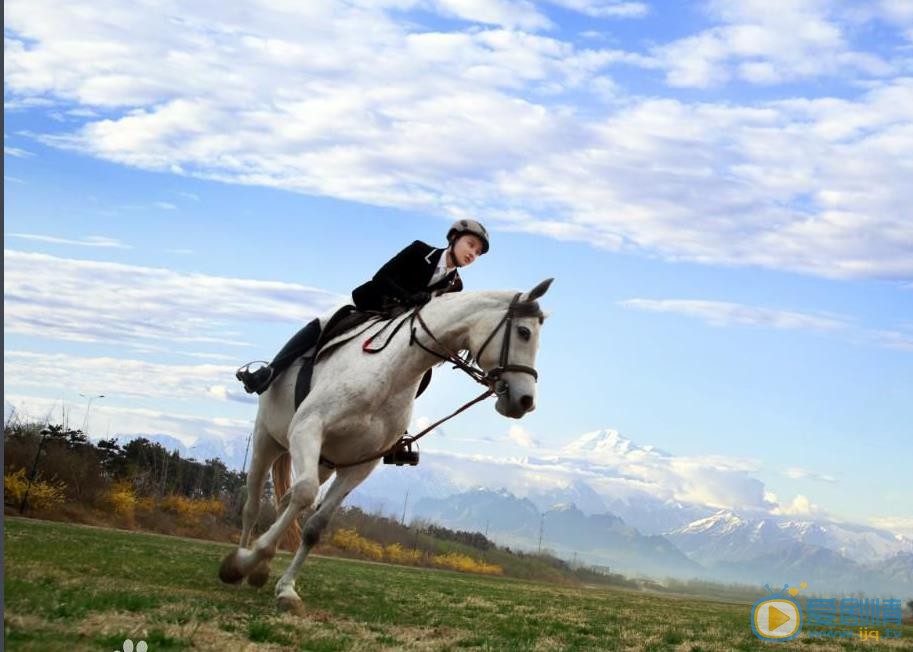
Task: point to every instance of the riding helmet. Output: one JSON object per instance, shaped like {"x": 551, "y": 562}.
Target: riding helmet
{"x": 462, "y": 227}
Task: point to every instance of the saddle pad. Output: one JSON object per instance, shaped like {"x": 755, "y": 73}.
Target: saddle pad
{"x": 343, "y": 327}
{"x": 339, "y": 329}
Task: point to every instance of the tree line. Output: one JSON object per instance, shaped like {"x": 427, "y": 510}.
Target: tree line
{"x": 87, "y": 470}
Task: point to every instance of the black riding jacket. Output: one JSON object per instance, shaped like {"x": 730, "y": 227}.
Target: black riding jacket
{"x": 404, "y": 275}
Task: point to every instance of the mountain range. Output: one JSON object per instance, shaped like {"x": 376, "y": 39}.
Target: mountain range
{"x": 601, "y": 500}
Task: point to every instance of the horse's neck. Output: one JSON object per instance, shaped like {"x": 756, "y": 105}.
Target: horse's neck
{"x": 451, "y": 319}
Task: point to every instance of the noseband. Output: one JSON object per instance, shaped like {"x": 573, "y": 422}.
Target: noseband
{"x": 503, "y": 366}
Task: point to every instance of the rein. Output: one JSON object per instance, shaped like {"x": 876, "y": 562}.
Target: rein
{"x": 492, "y": 380}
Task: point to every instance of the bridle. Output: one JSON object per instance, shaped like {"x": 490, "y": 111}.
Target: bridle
{"x": 492, "y": 378}
{"x": 494, "y": 384}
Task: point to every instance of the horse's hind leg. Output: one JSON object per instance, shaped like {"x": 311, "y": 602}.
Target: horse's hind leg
{"x": 346, "y": 480}
{"x": 265, "y": 452}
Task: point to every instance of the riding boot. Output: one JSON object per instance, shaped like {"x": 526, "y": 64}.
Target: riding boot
{"x": 303, "y": 384}
{"x": 301, "y": 342}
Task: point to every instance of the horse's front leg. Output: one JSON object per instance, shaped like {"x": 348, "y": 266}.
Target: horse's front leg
{"x": 346, "y": 480}
{"x": 265, "y": 451}
{"x": 304, "y": 448}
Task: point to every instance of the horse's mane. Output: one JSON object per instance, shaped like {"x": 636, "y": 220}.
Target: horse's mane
{"x": 521, "y": 309}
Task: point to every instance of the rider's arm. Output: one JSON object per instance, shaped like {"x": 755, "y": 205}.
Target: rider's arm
{"x": 388, "y": 277}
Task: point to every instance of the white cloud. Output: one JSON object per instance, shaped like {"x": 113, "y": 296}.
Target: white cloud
{"x": 507, "y": 13}
{"x": 109, "y": 420}
{"x": 88, "y": 241}
{"x": 617, "y": 469}
{"x": 17, "y": 152}
{"x": 119, "y": 376}
{"x": 606, "y": 8}
{"x": 165, "y": 206}
{"x": 520, "y": 436}
{"x": 344, "y": 101}
{"x": 91, "y": 301}
{"x": 223, "y": 393}
{"x": 800, "y": 506}
{"x": 797, "y": 473}
{"x": 892, "y": 339}
{"x": 897, "y": 524}
{"x": 724, "y": 313}
{"x": 800, "y": 39}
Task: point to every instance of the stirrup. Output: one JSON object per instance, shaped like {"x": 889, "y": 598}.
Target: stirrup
{"x": 403, "y": 454}
{"x": 245, "y": 375}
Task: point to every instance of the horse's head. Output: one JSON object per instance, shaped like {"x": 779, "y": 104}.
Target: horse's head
{"x": 507, "y": 348}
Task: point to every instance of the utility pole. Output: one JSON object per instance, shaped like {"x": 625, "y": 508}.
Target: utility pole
{"x": 85, "y": 422}
{"x": 246, "y": 451}
{"x": 541, "y": 524}
{"x": 405, "y": 502}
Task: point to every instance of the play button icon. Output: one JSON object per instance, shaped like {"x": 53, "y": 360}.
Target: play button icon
{"x": 776, "y": 619}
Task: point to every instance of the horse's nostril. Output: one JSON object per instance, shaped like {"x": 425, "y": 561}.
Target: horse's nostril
{"x": 526, "y": 401}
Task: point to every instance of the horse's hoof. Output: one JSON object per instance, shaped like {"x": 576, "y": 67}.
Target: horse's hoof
{"x": 292, "y": 605}
{"x": 229, "y": 571}
{"x": 259, "y": 575}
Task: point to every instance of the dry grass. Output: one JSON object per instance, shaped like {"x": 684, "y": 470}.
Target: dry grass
{"x": 82, "y": 588}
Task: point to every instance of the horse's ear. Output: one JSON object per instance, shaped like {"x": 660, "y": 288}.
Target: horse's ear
{"x": 539, "y": 290}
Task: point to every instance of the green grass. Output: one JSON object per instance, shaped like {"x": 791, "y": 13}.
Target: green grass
{"x": 79, "y": 588}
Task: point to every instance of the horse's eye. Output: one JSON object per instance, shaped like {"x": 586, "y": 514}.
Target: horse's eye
{"x": 524, "y": 333}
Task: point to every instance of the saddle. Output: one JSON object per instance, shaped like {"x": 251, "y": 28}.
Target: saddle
{"x": 344, "y": 322}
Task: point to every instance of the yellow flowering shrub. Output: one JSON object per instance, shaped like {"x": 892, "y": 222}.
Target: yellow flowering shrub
{"x": 466, "y": 564}
{"x": 42, "y": 495}
{"x": 145, "y": 504}
{"x": 352, "y": 541}
{"x": 192, "y": 508}
{"x": 122, "y": 499}
{"x": 398, "y": 555}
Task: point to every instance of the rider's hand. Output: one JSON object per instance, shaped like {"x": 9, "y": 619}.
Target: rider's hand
{"x": 420, "y": 298}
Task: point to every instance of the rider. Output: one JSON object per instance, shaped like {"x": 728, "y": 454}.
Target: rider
{"x": 410, "y": 278}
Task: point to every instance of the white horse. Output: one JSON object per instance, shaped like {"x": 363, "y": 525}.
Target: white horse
{"x": 359, "y": 407}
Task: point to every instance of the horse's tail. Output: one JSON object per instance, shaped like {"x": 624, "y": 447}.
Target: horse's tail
{"x": 282, "y": 481}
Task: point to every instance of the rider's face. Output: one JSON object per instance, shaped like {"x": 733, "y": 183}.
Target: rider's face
{"x": 466, "y": 249}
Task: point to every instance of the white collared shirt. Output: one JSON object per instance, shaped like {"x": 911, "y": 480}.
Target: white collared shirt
{"x": 441, "y": 270}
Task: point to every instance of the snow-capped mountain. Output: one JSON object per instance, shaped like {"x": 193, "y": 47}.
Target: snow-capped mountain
{"x": 607, "y": 447}
{"x": 577, "y": 493}
{"x": 726, "y": 536}
{"x": 599, "y": 539}
{"x": 834, "y": 556}
{"x": 653, "y": 515}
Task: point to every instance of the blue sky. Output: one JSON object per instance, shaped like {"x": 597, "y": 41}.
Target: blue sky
{"x": 721, "y": 192}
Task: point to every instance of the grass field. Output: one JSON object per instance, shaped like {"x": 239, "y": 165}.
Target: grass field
{"x": 74, "y": 587}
